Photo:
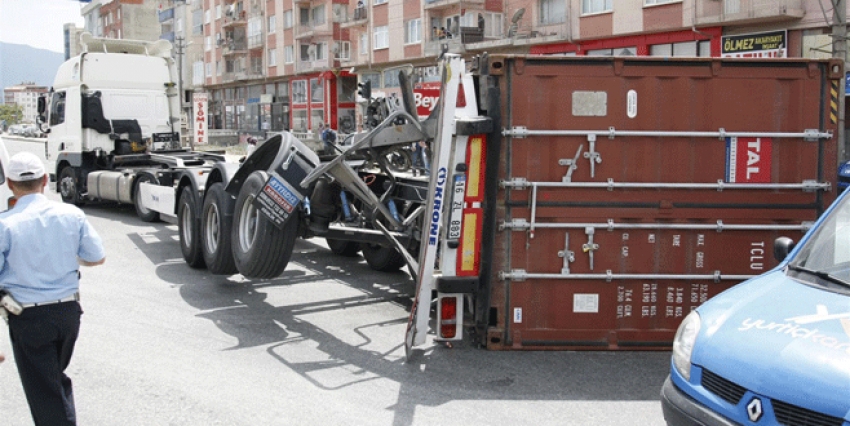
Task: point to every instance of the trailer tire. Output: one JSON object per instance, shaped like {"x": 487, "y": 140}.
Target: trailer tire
{"x": 260, "y": 249}
{"x": 216, "y": 221}
{"x": 384, "y": 259}
{"x": 144, "y": 213}
{"x": 188, "y": 227}
{"x": 343, "y": 248}
{"x": 68, "y": 187}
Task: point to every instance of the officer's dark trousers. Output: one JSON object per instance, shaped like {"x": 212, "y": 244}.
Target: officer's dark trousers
{"x": 43, "y": 340}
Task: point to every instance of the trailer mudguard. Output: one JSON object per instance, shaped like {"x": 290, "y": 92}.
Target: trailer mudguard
{"x": 274, "y": 154}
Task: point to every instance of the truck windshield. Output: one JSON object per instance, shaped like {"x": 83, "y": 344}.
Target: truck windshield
{"x": 826, "y": 254}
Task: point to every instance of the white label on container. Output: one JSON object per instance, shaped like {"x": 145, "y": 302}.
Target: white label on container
{"x": 586, "y": 303}
{"x": 631, "y": 104}
{"x": 517, "y": 315}
{"x": 590, "y": 104}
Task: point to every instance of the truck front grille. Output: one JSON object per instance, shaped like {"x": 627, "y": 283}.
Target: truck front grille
{"x": 786, "y": 414}
{"x": 730, "y": 392}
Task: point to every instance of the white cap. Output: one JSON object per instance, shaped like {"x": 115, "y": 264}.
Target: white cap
{"x": 25, "y": 166}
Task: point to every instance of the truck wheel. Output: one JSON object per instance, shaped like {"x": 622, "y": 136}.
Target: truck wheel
{"x": 189, "y": 229}
{"x": 260, "y": 249}
{"x": 216, "y": 220}
{"x": 343, "y": 248}
{"x": 384, "y": 259}
{"x": 397, "y": 159}
{"x": 68, "y": 188}
{"x": 144, "y": 213}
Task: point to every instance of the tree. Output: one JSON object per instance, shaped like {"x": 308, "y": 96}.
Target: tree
{"x": 11, "y": 114}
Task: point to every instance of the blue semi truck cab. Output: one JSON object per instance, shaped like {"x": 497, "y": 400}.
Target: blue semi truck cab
{"x": 775, "y": 349}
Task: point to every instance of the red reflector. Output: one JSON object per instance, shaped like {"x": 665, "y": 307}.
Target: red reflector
{"x": 11, "y": 202}
{"x": 448, "y": 331}
{"x": 448, "y": 309}
{"x": 461, "y": 97}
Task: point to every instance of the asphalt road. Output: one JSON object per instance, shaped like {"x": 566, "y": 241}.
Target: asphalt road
{"x": 163, "y": 344}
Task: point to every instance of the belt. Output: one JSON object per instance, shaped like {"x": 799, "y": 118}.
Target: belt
{"x": 72, "y": 298}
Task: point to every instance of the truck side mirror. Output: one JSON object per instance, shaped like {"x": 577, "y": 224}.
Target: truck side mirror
{"x": 781, "y": 247}
{"x": 42, "y": 105}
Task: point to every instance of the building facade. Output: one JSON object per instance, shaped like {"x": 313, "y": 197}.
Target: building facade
{"x": 25, "y": 95}
{"x": 270, "y": 65}
{"x": 295, "y": 64}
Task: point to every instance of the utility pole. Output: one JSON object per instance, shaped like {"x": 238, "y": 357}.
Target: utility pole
{"x": 180, "y": 46}
{"x": 839, "y": 51}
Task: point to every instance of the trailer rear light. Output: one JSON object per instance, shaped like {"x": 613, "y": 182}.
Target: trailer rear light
{"x": 11, "y": 202}
{"x": 449, "y": 315}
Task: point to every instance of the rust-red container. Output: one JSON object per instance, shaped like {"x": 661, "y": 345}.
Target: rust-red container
{"x": 630, "y": 190}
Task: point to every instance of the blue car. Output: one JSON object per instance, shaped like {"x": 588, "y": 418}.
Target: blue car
{"x": 844, "y": 176}
{"x": 775, "y": 349}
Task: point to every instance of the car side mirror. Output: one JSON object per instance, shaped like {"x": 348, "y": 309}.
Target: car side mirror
{"x": 781, "y": 247}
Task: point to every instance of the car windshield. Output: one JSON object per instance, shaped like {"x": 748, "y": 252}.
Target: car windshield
{"x": 827, "y": 253}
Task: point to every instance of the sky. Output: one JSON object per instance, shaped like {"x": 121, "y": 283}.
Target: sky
{"x": 38, "y": 23}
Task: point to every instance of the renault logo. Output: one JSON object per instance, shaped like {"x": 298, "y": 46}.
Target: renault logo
{"x": 754, "y": 410}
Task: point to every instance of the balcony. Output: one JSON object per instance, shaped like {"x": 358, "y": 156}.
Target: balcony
{"x": 314, "y": 65}
{"x": 303, "y": 31}
{"x": 748, "y": 11}
{"x": 256, "y": 41}
{"x": 236, "y": 19}
{"x": 166, "y": 15}
{"x": 238, "y": 47}
{"x": 448, "y": 4}
{"x": 167, "y": 36}
{"x": 359, "y": 17}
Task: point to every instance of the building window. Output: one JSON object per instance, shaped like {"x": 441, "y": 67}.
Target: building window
{"x": 391, "y": 78}
{"x": 299, "y": 92}
{"x": 321, "y": 51}
{"x": 651, "y": 2}
{"x": 207, "y": 42}
{"x": 272, "y": 57}
{"x": 382, "y": 39}
{"x": 207, "y": 16}
{"x": 342, "y": 50}
{"x": 198, "y": 72}
{"x": 595, "y": 6}
{"x": 208, "y": 70}
{"x": 377, "y": 2}
{"x": 372, "y": 77}
{"x": 272, "y": 23}
{"x": 684, "y": 49}
{"x": 317, "y": 90}
{"x": 288, "y": 54}
{"x": 492, "y": 25}
{"x": 413, "y": 31}
{"x": 197, "y": 22}
{"x": 318, "y": 16}
{"x": 308, "y": 52}
{"x": 179, "y": 26}
{"x": 364, "y": 43}
{"x": 553, "y": 12}
{"x": 287, "y": 19}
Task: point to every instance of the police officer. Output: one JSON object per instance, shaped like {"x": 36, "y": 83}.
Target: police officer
{"x": 42, "y": 245}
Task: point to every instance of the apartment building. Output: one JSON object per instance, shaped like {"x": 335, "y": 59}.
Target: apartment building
{"x": 295, "y": 64}
{"x": 24, "y": 95}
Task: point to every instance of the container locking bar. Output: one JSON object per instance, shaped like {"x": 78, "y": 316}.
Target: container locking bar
{"x": 608, "y": 276}
{"x": 521, "y": 132}
{"x": 523, "y": 225}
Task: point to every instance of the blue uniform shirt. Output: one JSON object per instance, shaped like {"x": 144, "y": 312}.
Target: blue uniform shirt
{"x": 40, "y": 241}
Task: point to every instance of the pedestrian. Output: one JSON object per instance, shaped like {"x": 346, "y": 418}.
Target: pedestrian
{"x": 420, "y": 158}
{"x": 43, "y": 243}
{"x": 328, "y": 140}
{"x": 252, "y": 145}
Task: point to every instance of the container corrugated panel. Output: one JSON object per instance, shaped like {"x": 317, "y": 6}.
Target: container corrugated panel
{"x": 684, "y": 172}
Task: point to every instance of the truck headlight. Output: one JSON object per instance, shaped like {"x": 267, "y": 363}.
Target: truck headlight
{"x": 683, "y": 344}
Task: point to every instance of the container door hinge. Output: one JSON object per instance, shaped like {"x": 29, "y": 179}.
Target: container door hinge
{"x": 515, "y": 183}
{"x": 513, "y": 275}
{"x": 592, "y": 155}
{"x": 515, "y": 225}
